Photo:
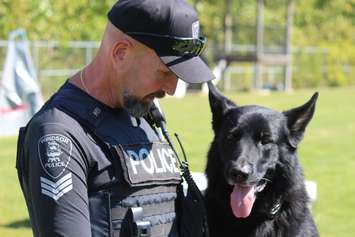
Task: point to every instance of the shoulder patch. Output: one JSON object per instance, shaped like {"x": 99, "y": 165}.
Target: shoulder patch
{"x": 55, "y": 152}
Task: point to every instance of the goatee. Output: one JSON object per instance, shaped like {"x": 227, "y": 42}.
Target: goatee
{"x": 138, "y": 107}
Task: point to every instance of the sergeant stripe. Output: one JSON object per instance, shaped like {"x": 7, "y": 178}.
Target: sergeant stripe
{"x": 55, "y": 185}
{"x": 57, "y": 189}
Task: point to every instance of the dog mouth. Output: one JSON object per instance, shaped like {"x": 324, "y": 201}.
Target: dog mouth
{"x": 243, "y": 197}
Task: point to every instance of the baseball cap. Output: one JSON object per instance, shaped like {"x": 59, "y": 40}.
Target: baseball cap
{"x": 171, "y": 28}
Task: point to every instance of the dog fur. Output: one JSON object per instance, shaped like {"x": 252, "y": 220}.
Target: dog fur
{"x": 255, "y": 149}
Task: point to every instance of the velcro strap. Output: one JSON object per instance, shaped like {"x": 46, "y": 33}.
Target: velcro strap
{"x": 122, "y": 193}
{"x": 156, "y": 231}
{"x": 161, "y": 225}
{"x": 119, "y": 212}
{"x": 161, "y": 230}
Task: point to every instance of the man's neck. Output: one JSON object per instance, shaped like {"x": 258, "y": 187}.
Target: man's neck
{"x": 96, "y": 82}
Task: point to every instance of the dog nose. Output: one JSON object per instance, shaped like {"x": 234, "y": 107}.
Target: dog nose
{"x": 240, "y": 174}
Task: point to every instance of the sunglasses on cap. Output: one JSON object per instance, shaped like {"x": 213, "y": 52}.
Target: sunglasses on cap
{"x": 171, "y": 45}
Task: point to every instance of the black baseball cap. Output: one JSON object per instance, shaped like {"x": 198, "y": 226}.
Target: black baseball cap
{"x": 171, "y": 28}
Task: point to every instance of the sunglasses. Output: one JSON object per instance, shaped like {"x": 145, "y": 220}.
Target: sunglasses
{"x": 171, "y": 45}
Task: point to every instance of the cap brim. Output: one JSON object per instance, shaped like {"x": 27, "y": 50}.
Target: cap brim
{"x": 188, "y": 69}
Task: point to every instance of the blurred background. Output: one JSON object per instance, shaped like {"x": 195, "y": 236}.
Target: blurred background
{"x": 274, "y": 53}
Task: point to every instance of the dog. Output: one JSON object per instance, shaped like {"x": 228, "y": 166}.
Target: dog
{"x": 255, "y": 182}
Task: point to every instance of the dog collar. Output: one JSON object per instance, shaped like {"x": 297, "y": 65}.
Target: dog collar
{"x": 275, "y": 208}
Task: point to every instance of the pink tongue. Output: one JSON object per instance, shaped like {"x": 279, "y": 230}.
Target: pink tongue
{"x": 242, "y": 200}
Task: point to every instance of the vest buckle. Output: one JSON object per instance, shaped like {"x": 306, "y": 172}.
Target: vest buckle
{"x": 139, "y": 227}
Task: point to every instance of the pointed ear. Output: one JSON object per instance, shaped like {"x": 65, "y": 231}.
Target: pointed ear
{"x": 298, "y": 119}
{"x": 219, "y": 105}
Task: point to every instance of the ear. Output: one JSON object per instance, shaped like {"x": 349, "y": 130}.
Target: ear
{"x": 219, "y": 105}
{"x": 120, "y": 49}
{"x": 298, "y": 119}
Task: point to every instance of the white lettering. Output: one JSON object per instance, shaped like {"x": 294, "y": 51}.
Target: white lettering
{"x": 52, "y": 165}
{"x": 144, "y": 156}
{"x": 55, "y": 138}
{"x": 162, "y": 153}
{"x": 134, "y": 159}
{"x": 173, "y": 161}
{"x": 161, "y": 161}
{"x": 161, "y": 169}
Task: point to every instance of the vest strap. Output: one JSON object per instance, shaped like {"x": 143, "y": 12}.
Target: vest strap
{"x": 118, "y": 213}
{"x": 162, "y": 230}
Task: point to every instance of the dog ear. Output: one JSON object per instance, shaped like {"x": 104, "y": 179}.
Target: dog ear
{"x": 219, "y": 104}
{"x": 298, "y": 119}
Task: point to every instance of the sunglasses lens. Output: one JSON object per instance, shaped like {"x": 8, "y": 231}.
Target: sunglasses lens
{"x": 170, "y": 45}
{"x": 192, "y": 47}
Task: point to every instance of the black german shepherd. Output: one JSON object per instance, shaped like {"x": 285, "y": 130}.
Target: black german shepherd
{"x": 255, "y": 182}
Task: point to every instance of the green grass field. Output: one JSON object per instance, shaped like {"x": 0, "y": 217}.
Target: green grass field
{"x": 327, "y": 154}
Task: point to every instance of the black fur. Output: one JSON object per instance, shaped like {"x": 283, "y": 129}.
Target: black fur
{"x": 256, "y": 145}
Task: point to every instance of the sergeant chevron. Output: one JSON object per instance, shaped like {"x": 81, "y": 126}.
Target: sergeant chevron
{"x": 57, "y": 189}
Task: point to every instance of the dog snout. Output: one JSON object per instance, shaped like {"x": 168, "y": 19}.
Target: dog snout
{"x": 240, "y": 174}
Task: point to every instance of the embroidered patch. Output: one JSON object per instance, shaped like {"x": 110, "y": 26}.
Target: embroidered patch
{"x": 57, "y": 189}
{"x": 195, "y": 29}
{"x": 54, "y": 153}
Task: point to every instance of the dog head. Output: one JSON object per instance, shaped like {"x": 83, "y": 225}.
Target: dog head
{"x": 251, "y": 141}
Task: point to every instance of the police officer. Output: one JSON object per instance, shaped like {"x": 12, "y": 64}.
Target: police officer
{"x": 89, "y": 163}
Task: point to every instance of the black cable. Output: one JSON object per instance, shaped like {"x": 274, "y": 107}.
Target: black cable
{"x": 181, "y": 147}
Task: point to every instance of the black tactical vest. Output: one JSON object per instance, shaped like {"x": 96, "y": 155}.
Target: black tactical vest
{"x": 138, "y": 197}
{"x": 140, "y": 200}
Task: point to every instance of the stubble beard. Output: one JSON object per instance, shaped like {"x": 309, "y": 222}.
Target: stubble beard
{"x": 137, "y": 107}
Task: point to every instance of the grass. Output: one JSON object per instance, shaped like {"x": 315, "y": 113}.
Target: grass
{"x": 13, "y": 213}
{"x": 327, "y": 154}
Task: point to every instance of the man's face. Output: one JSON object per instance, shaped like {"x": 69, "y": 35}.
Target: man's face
{"x": 148, "y": 78}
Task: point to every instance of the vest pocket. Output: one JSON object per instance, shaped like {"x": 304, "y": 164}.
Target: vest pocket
{"x": 158, "y": 210}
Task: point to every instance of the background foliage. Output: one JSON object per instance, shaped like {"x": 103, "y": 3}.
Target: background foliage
{"x": 329, "y": 24}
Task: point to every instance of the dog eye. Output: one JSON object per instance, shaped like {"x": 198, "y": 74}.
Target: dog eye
{"x": 265, "y": 138}
{"x": 231, "y": 136}
{"x": 234, "y": 135}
